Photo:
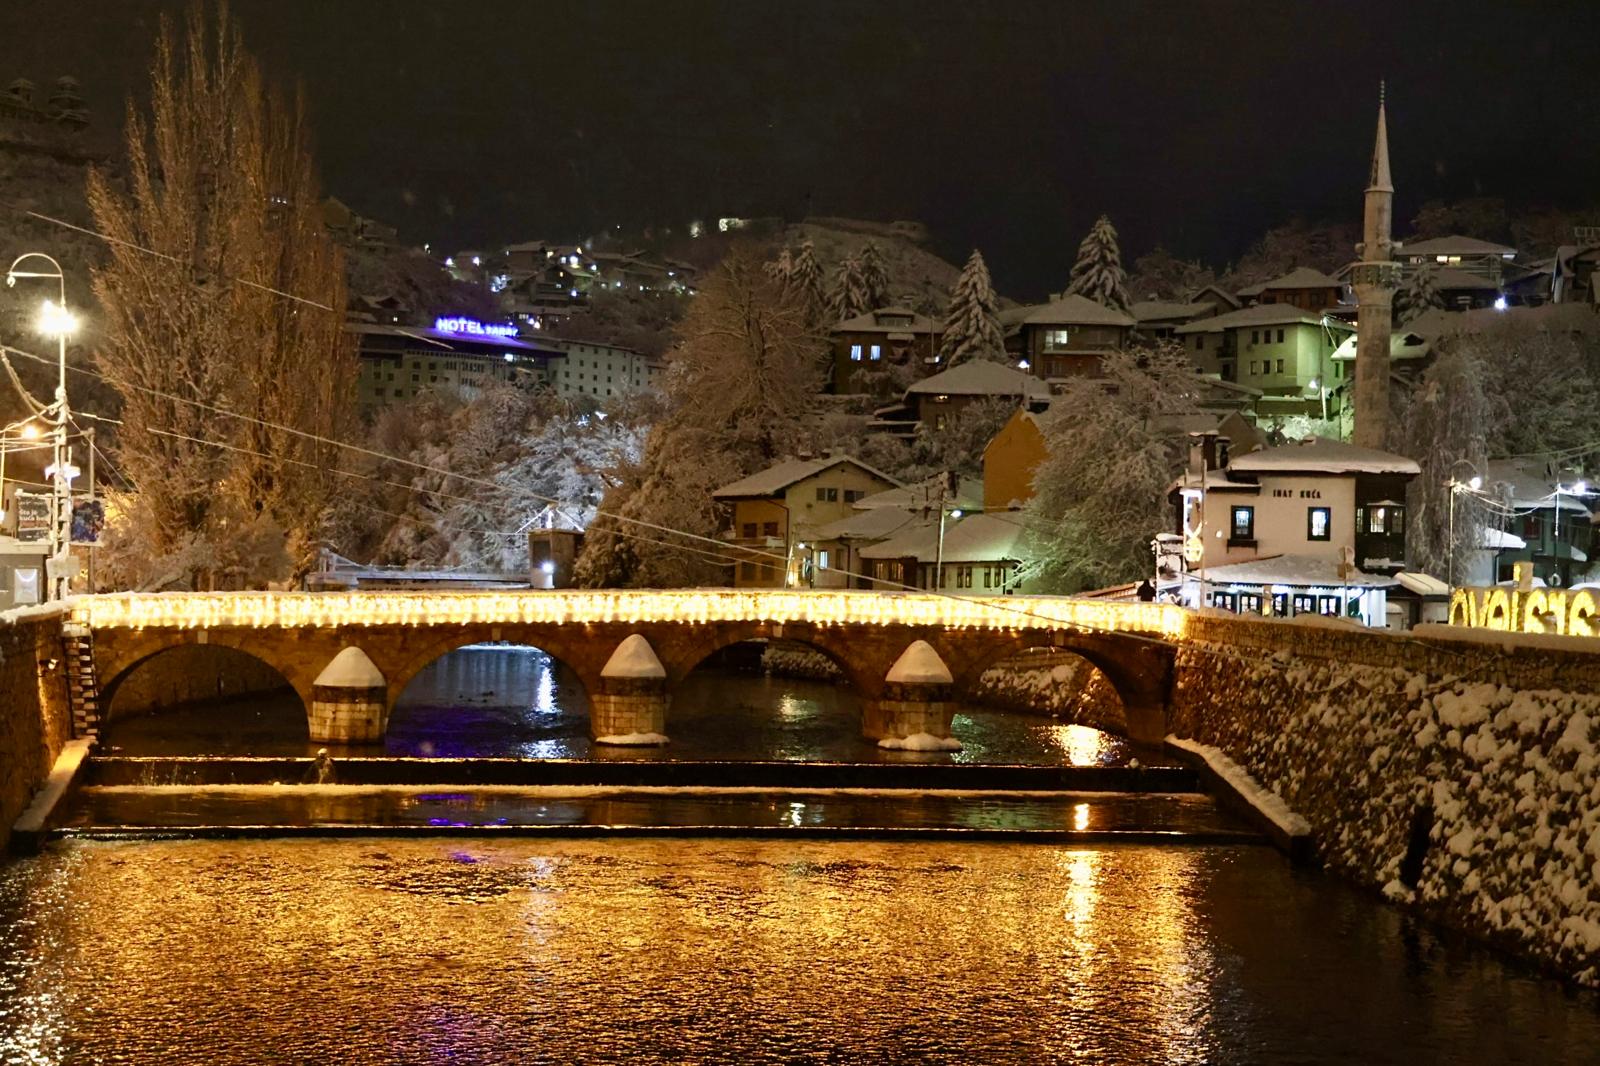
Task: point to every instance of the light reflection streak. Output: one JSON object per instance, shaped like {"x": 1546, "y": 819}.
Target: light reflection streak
{"x": 1081, "y": 745}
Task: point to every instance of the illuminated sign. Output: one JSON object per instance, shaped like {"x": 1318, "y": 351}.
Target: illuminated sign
{"x": 473, "y": 328}
{"x": 1527, "y": 610}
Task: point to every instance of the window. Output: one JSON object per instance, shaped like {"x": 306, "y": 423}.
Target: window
{"x": 1280, "y": 604}
{"x": 1244, "y": 523}
{"x": 748, "y": 531}
{"x": 769, "y": 529}
{"x": 1255, "y": 337}
{"x": 1057, "y": 338}
{"x": 1280, "y": 366}
{"x": 877, "y": 353}
{"x": 1227, "y": 370}
{"x": 1386, "y": 520}
{"x": 855, "y": 353}
{"x": 852, "y": 495}
{"x": 1255, "y": 367}
{"x": 1328, "y": 605}
{"x": 1199, "y": 342}
{"x": 1224, "y": 600}
{"x": 822, "y": 559}
{"x": 747, "y": 571}
{"x": 964, "y": 577}
{"x": 827, "y": 495}
{"x": 1249, "y": 603}
{"x": 1304, "y": 603}
{"x": 1319, "y": 523}
{"x": 1280, "y": 336}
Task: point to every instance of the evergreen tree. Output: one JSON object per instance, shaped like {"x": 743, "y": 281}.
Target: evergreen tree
{"x": 1098, "y": 272}
{"x": 805, "y": 283}
{"x": 972, "y": 325}
{"x": 780, "y": 268}
{"x": 1420, "y": 294}
{"x": 874, "y": 278}
{"x": 849, "y": 296}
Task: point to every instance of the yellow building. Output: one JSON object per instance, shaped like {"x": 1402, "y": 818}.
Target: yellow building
{"x": 1010, "y": 460}
{"x": 779, "y": 509}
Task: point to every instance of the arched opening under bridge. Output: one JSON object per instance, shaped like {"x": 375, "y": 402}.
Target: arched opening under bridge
{"x": 202, "y": 699}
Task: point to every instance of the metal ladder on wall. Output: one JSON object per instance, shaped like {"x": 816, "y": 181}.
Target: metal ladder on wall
{"x": 83, "y": 687}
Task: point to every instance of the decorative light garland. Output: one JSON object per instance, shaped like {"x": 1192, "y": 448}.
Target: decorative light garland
{"x": 289, "y": 610}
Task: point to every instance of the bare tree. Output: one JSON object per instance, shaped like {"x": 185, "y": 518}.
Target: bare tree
{"x": 221, "y": 288}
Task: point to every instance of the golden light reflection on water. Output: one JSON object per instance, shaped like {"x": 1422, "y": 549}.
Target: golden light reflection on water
{"x": 1080, "y": 745}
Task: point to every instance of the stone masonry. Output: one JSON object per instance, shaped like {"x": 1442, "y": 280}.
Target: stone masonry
{"x": 35, "y": 721}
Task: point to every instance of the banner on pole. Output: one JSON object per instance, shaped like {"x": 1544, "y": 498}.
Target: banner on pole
{"x": 33, "y": 515}
{"x": 88, "y": 519}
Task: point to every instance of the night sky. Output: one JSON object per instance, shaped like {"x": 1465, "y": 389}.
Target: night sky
{"x": 482, "y": 122}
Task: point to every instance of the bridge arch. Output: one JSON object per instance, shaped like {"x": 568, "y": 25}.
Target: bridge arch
{"x": 1138, "y": 670}
{"x": 188, "y": 672}
{"x": 120, "y": 658}
{"x": 575, "y": 651}
{"x": 683, "y": 652}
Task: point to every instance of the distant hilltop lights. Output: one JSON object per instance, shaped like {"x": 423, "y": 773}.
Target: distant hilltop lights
{"x": 473, "y": 327}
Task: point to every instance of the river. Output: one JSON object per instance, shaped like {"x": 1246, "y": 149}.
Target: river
{"x": 1061, "y": 945}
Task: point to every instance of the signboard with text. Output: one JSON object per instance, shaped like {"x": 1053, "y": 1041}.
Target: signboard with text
{"x": 33, "y": 516}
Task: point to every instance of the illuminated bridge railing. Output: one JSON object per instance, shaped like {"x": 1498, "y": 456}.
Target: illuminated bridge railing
{"x": 204, "y": 610}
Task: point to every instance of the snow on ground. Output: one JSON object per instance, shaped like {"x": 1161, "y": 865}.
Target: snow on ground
{"x": 1265, "y": 801}
{"x": 920, "y": 742}
{"x": 633, "y": 740}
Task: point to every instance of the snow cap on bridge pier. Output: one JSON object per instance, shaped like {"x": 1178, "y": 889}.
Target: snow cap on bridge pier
{"x": 919, "y": 665}
{"x": 351, "y": 669}
{"x": 634, "y": 657}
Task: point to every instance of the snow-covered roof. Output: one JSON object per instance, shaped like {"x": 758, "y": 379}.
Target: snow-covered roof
{"x": 1499, "y": 539}
{"x": 1074, "y": 310}
{"x": 1455, "y": 244}
{"x": 974, "y": 538}
{"x": 1169, "y": 310}
{"x": 1298, "y": 278}
{"x": 774, "y": 479}
{"x": 1422, "y": 584}
{"x": 1531, "y": 483}
{"x": 1260, "y": 315}
{"x": 1213, "y": 481}
{"x": 888, "y": 320}
{"x": 982, "y": 378}
{"x": 927, "y": 493}
{"x": 1319, "y": 455}
{"x": 1456, "y": 278}
{"x": 1403, "y": 345}
{"x": 876, "y": 524}
{"x": 1300, "y": 570}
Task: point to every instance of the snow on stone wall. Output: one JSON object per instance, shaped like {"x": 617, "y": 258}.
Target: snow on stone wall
{"x": 1358, "y": 734}
{"x": 1060, "y": 684}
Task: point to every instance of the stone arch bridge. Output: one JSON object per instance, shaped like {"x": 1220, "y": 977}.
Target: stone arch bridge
{"x": 864, "y": 633}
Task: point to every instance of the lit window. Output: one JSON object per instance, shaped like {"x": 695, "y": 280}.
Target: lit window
{"x": 1244, "y": 523}
{"x": 877, "y": 353}
{"x": 823, "y": 558}
{"x": 1319, "y": 523}
{"x": 855, "y": 353}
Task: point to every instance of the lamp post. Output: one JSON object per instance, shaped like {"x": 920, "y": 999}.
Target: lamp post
{"x": 57, "y": 321}
{"x": 1578, "y": 489}
{"x": 1322, "y": 392}
{"x": 1474, "y": 483}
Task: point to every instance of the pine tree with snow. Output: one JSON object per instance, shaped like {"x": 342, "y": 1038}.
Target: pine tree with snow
{"x": 780, "y": 268}
{"x": 874, "y": 278}
{"x": 849, "y": 296}
{"x": 1098, "y": 273}
{"x": 1420, "y": 294}
{"x": 805, "y": 282}
{"x": 972, "y": 324}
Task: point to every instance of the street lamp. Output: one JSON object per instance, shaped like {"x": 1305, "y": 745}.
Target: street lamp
{"x": 1322, "y": 391}
{"x": 938, "y": 558}
{"x": 55, "y": 320}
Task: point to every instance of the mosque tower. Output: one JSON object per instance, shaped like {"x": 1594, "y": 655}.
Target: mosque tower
{"x": 1375, "y": 279}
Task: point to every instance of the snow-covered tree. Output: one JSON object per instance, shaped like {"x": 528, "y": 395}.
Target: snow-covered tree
{"x": 849, "y": 296}
{"x": 805, "y": 283}
{"x": 972, "y": 323}
{"x": 1160, "y": 275}
{"x": 1419, "y": 295}
{"x": 219, "y": 184}
{"x": 741, "y": 391}
{"x": 1112, "y": 451}
{"x": 1098, "y": 273}
{"x": 1444, "y": 425}
{"x": 779, "y": 268}
{"x": 874, "y": 278}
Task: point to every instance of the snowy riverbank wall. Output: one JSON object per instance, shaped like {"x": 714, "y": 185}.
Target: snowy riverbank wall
{"x": 35, "y": 722}
{"x": 1455, "y": 773}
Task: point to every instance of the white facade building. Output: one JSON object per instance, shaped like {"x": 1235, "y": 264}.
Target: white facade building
{"x": 603, "y": 371}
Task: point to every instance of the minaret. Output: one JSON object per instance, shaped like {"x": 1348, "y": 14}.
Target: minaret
{"x": 1375, "y": 280}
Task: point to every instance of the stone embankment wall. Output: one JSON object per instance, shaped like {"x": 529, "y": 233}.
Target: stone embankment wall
{"x": 189, "y": 674}
{"x": 35, "y": 721}
{"x": 1480, "y": 756}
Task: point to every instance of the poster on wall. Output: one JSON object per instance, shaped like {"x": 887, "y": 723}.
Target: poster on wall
{"x": 33, "y": 516}
{"x": 88, "y": 519}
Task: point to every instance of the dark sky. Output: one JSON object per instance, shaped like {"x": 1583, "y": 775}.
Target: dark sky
{"x": 481, "y": 122}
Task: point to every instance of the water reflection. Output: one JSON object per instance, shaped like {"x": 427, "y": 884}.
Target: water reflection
{"x": 736, "y": 951}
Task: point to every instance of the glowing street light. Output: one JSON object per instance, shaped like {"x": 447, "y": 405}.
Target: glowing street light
{"x": 55, "y": 320}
